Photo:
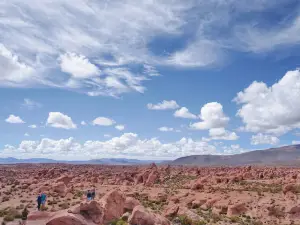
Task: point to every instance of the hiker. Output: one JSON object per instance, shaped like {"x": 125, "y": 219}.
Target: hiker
{"x": 39, "y": 201}
{"x": 89, "y": 195}
{"x": 44, "y": 199}
{"x": 93, "y": 194}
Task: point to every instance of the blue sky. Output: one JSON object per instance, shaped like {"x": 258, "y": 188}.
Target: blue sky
{"x": 148, "y": 79}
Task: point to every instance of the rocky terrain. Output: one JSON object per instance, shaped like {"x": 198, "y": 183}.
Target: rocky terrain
{"x": 150, "y": 195}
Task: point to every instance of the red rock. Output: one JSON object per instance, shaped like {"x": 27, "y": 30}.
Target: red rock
{"x": 236, "y": 209}
{"x": 197, "y": 185}
{"x": 171, "y": 210}
{"x": 60, "y": 188}
{"x": 66, "y": 219}
{"x": 290, "y": 188}
{"x": 141, "y": 216}
{"x": 113, "y": 204}
{"x": 130, "y": 203}
{"x": 90, "y": 210}
{"x": 152, "y": 178}
{"x": 38, "y": 215}
{"x": 65, "y": 179}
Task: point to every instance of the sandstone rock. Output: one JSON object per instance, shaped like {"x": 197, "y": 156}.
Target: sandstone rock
{"x": 38, "y": 215}
{"x": 66, "y": 219}
{"x": 113, "y": 204}
{"x": 65, "y": 179}
{"x": 290, "y": 188}
{"x": 171, "y": 210}
{"x": 236, "y": 209}
{"x": 184, "y": 211}
{"x": 130, "y": 203}
{"x": 141, "y": 216}
{"x": 152, "y": 178}
{"x": 60, "y": 188}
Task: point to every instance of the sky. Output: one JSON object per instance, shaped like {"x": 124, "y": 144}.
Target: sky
{"x": 150, "y": 79}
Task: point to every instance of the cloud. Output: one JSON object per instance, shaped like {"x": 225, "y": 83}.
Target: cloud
{"x": 33, "y": 126}
{"x": 212, "y": 116}
{"x": 164, "y": 105}
{"x": 233, "y": 149}
{"x": 128, "y": 145}
{"x": 166, "y": 129}
{"x": 60, "y": 120}
{"x": 87, "y": 36}
{"x": 273, "y": 109}
{"x": 30, "y": 104}
{"x": 14, "y": 119}
{"x": 222, "y": 134}
{"x": 83, "y": 123}
{"x": 14, "y": 73}
{"x": 260, "y": 138}
{"x": 295, "y": 142}
{"x": 120, "y": 127}
{"x": 255, "y": 39}
{"x": 103, "y": 121}
{"x": 78, "y": 66}
{"x": 26, "y": 135}
{"x": 184, "y": 113}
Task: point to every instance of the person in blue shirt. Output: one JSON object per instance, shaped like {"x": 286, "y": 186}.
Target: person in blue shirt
{"x": 39, "y": 201}
{"x": 89, "y": 195}
{"x": 44, "y": 199}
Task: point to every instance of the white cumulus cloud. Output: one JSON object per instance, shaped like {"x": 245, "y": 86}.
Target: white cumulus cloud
{"x": 127, "y": 145}
{"x": 273, "y": 109}
{"x": 78, "y": 66}
{"x": 222, "y": 134}
{"x": 14, "y": 119}
{"x": 60, "y": 120}
{"x": 103, "y": 121}
{"x": 33, "y": 126}
{"x": 183, "y": 112}
{"x": 164, "y": 105}
{"x": 260, "y": 138}
{"x": 83, "y": 123}
{"x": 212, "y": 116}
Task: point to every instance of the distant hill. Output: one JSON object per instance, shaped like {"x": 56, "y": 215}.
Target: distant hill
{"x": 105, "y": 161}
{"x": 287, "y": 155}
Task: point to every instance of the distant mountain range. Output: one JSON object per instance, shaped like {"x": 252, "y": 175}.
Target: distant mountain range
{"x": 108, "y": 161}
{"x": 284, "y": 156}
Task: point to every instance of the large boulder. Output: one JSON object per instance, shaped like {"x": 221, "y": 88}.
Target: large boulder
{"x": 60, "y": 188}
{"x": 141, "y": 216}
{"x": 66, "y": 219}
{"x": 65, "y": 179}
{"x": 152, "y": 178}
{"x": 91, "y": 211}
{"x": 113, "y": 204}
{"x": 130, "y": 203}
{"x": 39, "y": 215}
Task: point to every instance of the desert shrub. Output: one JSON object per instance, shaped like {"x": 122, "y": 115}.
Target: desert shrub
{"x": 118, "y": 222}
{"x": 184, "y": 220}
{"x": 200, "y": 222}
{"x": 9, "y": 218}
{"x": 64, "y": 205}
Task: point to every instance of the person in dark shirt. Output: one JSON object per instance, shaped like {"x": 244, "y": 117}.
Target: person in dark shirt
{"x": 39, "y": 201}
{"x": 93, "y": 194}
